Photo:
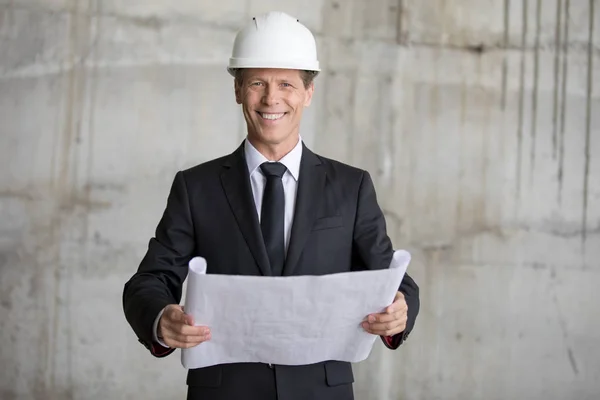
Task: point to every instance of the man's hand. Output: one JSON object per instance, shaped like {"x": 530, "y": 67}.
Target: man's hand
{"x": 391, "y": 321}
{"x": 176, "y": 329}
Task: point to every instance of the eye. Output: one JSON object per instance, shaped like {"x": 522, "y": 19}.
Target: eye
{"x": 285, "y": 84}
{"x": 256, "y": 84}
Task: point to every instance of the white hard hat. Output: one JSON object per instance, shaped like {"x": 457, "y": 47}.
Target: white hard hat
{"x": 274, "y": 40}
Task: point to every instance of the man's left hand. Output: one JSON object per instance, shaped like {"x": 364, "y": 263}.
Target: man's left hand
{"x": 390, "y": 322}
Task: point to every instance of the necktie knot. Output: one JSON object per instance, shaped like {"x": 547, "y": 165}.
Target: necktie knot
{"x": 273, "y": 169}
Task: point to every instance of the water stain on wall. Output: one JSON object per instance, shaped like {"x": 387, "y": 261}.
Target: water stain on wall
{"x": 588, "y": 124}
{"x": 564, "y": 97}
{"x": 557, "y": 52}
{"x": 521, "y": 104}
{"x": 535, "y": 93}
{"x": 505, "y": 43}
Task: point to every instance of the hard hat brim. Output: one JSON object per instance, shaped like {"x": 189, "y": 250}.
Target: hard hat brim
{"x": 237, "y": 63}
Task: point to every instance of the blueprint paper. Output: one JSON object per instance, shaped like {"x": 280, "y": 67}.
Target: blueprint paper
{"x": 291, "y": 320}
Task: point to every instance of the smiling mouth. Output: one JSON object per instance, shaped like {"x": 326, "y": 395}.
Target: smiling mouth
{"x": 271, "y": 116}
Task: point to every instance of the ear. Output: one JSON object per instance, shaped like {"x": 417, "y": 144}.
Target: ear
{"x": 238, "y": 93}
{"x": 309, "y": 94}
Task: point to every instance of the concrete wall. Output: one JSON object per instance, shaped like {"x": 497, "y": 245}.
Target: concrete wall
{"x": 479, "y": 120}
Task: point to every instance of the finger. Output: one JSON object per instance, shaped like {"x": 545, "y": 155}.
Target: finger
{"x": 175, "y": 307}
{"x": 390, "y": 332}
{"x": 174, "y": 313}
{"x": 192, "y": 330}
{"x": 386, "y": 328}
{"x": 182, "y": 329}
{"x": 186, "y": 341}
{"x": 181, "y": 340}
{"x": 385, "y": 317}
{"x": 185, "y": 330}
{"x": 178, "y": 344}
{"x": 188, "y": 319}
{"x": 386, "y": 332}
{"x": 379, "y": 317}
{"x": 398, "y": 305}
{"x": 178, "y": 316}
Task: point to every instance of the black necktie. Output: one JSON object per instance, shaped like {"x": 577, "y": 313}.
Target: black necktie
{"x": 272, "y": 215}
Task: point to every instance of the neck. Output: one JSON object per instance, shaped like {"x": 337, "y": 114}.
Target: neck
{"x": 274, "y": 152}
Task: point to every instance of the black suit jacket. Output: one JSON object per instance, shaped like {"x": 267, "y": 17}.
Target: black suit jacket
{"x": 337, "y": 227}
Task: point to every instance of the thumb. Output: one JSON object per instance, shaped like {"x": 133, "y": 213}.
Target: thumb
{"x": 182, "y": 317}
{"x": 176, "y": 313}
{"x": 187, "y": 319}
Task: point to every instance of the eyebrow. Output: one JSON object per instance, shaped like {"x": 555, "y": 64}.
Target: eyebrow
{"x": 260, "y": 78}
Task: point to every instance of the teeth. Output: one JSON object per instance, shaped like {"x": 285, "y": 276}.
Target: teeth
{"x": 271, "y": 116}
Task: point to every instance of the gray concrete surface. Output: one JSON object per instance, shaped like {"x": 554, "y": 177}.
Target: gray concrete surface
{"x": 479, "y": 120}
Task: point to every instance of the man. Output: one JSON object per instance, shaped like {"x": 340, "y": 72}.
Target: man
{"x": 272, "y": 207}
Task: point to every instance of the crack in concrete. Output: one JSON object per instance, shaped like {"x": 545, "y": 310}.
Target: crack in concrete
{"x": 563, "y": 326}
{"x": 572, "y": 360}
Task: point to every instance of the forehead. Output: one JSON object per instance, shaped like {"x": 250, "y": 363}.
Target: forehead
{"x": 272, "y": 74}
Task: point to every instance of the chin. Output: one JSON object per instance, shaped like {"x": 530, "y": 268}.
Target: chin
{"x": 271, "y": 137}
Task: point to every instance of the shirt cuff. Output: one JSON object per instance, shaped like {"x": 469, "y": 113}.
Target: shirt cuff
{"x": 393, "y": 342}
{"x": 155, "y": 330}
{"x": 389, "y": 340}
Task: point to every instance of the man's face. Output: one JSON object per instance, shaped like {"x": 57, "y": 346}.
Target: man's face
{"x": 272, "y": 101}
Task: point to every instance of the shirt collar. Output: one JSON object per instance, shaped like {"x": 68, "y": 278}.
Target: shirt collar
{"x": 291, "y": 160}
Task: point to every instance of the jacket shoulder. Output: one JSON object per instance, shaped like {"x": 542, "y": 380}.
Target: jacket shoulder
{"x": 340, "y": 169}
{"x": 206, "y": 168}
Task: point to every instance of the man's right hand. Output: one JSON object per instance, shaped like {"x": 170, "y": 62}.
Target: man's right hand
{"x": 176, "y": 329}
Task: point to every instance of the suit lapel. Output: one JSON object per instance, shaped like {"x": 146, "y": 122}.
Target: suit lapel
{"x": 236, "y": 184}
{"x": 311, "y": 183}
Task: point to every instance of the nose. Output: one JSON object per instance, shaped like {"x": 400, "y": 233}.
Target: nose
{"x": 270, "y": 96}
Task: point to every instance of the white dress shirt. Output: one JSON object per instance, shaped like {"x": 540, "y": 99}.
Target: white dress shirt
{"x": 257, "y": 180}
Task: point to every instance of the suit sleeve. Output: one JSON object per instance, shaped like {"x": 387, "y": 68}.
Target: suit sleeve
{"x": 159, "y": 279}
{"x": 374, "y": 247}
